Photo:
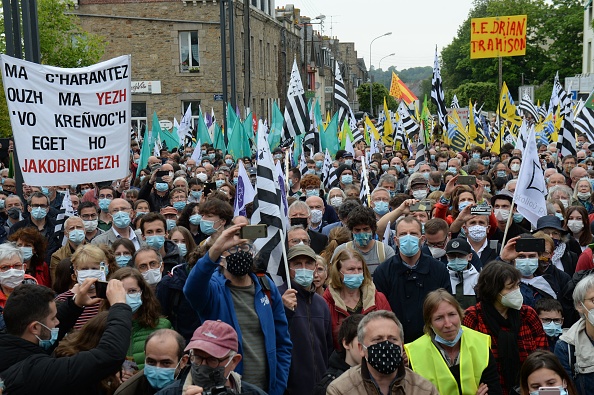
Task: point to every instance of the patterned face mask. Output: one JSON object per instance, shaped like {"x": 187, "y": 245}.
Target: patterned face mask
{"x": 385, "y": 357}
{"x": 239, "y": 263}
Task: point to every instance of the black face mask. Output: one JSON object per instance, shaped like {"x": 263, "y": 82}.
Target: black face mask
{"x": 299, "y": 221}
{"x": 385, "y": 357}
{"x": 14, "y": 212}
{"x": 240, "y": 263}
{"x": 207, "y": 377}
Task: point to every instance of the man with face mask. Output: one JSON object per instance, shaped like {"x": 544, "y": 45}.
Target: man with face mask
{"x": 251, "y": 304}
{"x": 410, "y": 266}
{"x": 417, "y": 186}
{"x": 35, "y": 325}
{"x": 476, "y": 229}
{"x": 309, "y": 319}
{"x": 382, "y": 369}
{"x": 214, "y": 356}
{"x": 164, "y": 362}
{"x": 300, "y": 214}
{"x": 14, "y": 211}
{"x": 74, "y": 231}
{"x": 362, "y": 224}
{"x": 463, "y": 275}
{"x": 156, "y": 190}
{"x": 121, "y": 213}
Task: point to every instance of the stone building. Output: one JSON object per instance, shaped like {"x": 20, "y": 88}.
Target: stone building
{"x": 175, "y": 47}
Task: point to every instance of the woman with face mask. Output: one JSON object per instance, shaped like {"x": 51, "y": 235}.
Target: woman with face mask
{"x": 542, "y": 369}
{"x": 190, "y": 219}
{"x": 515, "y": 329}
{"x": 574, "y": 349}
{"x": 33, "y": 246}
{"x": 455, "y": 358}
{"x": 351, "y": 290}
{"x": 582, "y": 195}
{"x": 146, "y": 313}
{"x": 514, "y": 166}
{"x": 12, "y": 271}
{"x": 578, "y": 225}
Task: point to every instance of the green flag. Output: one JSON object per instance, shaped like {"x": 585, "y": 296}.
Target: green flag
{"x": 276, "y": 127}
{"x": 248, "y": 132}
{"x": 219, "y": 140}
{"x": 330, "y": 136}
{"x": 590, "y": 101}
{"x": 235, "y": 145}
{"x": 346, "y": 131}
{"x": 164, "y": 135}
{"x": 318, "y": 116}
{"x": 203, "y": 134}
{"x": 145, "y": 152}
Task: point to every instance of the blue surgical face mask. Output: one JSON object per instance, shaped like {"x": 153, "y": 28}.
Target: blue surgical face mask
{"x": 312, "y": 192}
{"x": 385, "y": 167}
{"x": 518, "y": 217}
{"x": 235, "y": 179}
{"x": 134, "y": 301}
{"x": 156, "y": 241}
{"x": 304, "y": 277}
{"x": 381, "y": 207}
{"x": 449, "y": 343}
{"x": 353, "y": 281}
{"x": 161, "y": 186}
{"x": 362, "y": 239}
{"x": 501, "y": 173}
{"x": 183, "y": 250}
{"x": 207, "y": 227}
{"x": 27, "y": 252}
{"x": 121, "y": 219}
{"x": 195, "y": 219}
{"x": 560, "y": 216}
{"x": 409, "y": 245}
{"x": 171, "y": 223}
{"x": 432, "y": 157}
{"x": 346, "y": 179}
{"x": 196, "y": 194}
{"x": 463, "y": 205}
{"x": 48, "y": 343}
{"x": 158, "y": 377}
{"x": 486, "y": 162}
{"x": 104, "y": 204}
{"x": 398, "y": 168}
{"x": 38, "y": 213}
{"x": 45, "y": 191}
{"x": 76, "y": 236}
{"x": 527, "y": 266}
{"x": 122, "y": 260}
{"x": 179, "y": 206}
{"x": 229, "y": 162}
{"x": 457, "y": 264}
{"x": 476, "y": 155}
{"x": 452, "y": 170}
{"x": 319, "y": 164}
{"x": 552, "y": 329}
{"x": 348, "y": 162}
{"x": 219, "y": 183}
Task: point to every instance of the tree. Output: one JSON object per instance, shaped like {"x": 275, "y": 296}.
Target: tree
{"x": 482, "y": 93}
{"x": 379, "y": 93}
{"x": 554, "y": 42}
{"x": 62, "y": 43}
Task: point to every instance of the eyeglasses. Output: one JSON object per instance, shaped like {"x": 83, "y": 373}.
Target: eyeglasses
{"x": 438, "y": 245}
{"x": 210, "y": 361}
{"x": 143, "y": 267}
{"x": 18, "y": 266}
{"x": 246, "y": 247}
{"x": 134, "y": 291}
{"x": 557, "y": 321}
{"x": 88, "y": 217}
{"x": 39, "y": 206}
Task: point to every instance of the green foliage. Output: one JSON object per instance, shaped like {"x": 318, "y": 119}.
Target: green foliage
{"x": 554, "y": 31}
{"x": 379, "y": 92}
{"x": 62, "y": 41}
{"x": 412, "y": 75}
{"x": 5, "y": 130}
{"x": 479, "y": 92}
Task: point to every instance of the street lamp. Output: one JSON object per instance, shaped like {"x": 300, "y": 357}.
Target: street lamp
{"x": 379, "y": 66}
{"x": 370, "y": 81}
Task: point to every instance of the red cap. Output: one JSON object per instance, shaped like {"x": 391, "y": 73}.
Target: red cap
{"x": 216, "y": 338}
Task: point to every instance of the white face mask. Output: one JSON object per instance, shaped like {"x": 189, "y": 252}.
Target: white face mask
{"x": 477, "y": 233}
{"x": 202, "y": 177}
{"x": 437, "y": 252}
{"x": 420, "y": 194}
{"x": 82, "y": 275}
{"x": 575, "y": 225}
{"x": 90, "y": 226}
{"x": 152, "y": 276}
{"x": 513, "y": 300}
{"x": 515, "y": 167}
{"x": 12, "y": 277}
{"x": 501, "y": 214}
{"x": 590, "y": 315}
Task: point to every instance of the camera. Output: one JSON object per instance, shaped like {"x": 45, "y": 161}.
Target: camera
{"x": 219, "y": 389}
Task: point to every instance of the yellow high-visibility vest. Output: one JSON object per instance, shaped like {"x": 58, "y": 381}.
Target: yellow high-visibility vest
{"x": 426, "y": 360}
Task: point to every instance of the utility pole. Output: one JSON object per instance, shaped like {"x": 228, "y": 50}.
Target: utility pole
{"x": 247, "y": 75}
{"x": 224, "y": 67}
{"x": 231, "y": 10}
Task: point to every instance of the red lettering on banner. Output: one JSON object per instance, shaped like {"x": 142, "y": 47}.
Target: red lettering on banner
{"x": 50, "y": 166}
{"x": 111, "y": 97}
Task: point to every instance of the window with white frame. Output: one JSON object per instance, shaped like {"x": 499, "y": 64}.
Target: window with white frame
{"x": 138, "y": 118}
{"x": 188, "y": 51}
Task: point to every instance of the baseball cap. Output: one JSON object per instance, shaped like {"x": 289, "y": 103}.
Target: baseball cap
{"x": 216, "y": 338}
{"x": 299, "y": 250}
{"x": 458, "y": 246}
{"x": 252, "y": 171}
{"x": 168, "y": 210}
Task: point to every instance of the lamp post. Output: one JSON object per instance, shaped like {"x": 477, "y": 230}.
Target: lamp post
{"x": 371, "y": 82}
{"x": 379, "y": 66}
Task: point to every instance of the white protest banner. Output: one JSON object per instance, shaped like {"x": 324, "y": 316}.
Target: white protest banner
{"x": 69, "y": 125}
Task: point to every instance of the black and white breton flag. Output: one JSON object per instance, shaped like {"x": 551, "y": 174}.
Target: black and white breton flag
{"x": 527, "y": 107}
{"x": 455, "y": 103}
{"x": 330, "y": 179}
{"x": 312, "y": 138}
{"x": 66, "y": 210}
{"x": 341, "y": 99}
{"x": 437, "y": 94}
{"x": 566, "y": 140}
{"x": 584, "y": 123}
{"x": 364, "y": 193}
{"x": 542, "y": 111}
{"x": 357, "y": 135}
{"x": 267, "y": 203}
{"x": 302, "y": 163}
{"x": 296, "y": 120}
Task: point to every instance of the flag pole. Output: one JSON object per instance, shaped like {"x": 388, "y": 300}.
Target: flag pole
{"x": 509, "y": 219}
{"x": 283, "y": 235}
{"x": 287, "y": 176}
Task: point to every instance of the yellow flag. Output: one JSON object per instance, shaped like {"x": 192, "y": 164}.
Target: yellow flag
{"x": 372, "y": 128}
{"x": 507, "y": 110}
{"x": 457, "y": 136}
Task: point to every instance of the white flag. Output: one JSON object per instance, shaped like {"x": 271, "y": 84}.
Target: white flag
{"x": 530, "y": 188}
{"x": 348, "y": 145}
{"x": 197, "y": 153}
{"x": 244, "y": 191}
{"x": 185, "y": 125}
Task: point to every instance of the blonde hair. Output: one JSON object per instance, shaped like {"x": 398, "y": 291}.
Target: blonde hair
{"x": 334, "y": 279}
{"x": 432, "y": 302}
{"x": 86, "y": 253}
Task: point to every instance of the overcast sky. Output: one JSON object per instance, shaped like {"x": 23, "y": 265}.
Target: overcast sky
{"x": 416, "y": 26}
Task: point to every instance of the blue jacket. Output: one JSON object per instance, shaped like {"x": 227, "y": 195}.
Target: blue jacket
{"x": 583, "y": 382}
{"x": 206, "y": 290}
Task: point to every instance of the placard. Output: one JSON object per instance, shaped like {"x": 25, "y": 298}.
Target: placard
{"x": 70, "y": 125}
{"x": 498, "y": 36}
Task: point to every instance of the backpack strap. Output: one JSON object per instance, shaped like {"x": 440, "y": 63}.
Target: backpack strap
{"x": 264, "y": 283}
{"x": 381, "y": 252}
{"x": 572, "y": 359}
